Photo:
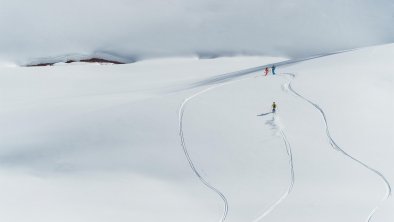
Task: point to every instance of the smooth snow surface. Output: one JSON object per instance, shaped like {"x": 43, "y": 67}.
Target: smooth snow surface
{"x": 194, "y": 140}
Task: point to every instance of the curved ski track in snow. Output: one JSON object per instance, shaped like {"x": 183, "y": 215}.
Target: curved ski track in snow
{"x": 292, "y": 179}
{"x": 206, "y": 183}
{"x": 335, "y": 146}
{"x": 233, "y": 77}
{"x": 189, "y": 159}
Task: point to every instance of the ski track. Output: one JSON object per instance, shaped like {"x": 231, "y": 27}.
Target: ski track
{"x": 188, "y": 157}
{"x": 211, "y": 187}
{"x": 292, "y": 178}
{"x": 232, "y": 77}
{"x": 336, "y": 147}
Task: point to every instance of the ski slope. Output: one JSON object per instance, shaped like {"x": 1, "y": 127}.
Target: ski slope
{"x": 193, "y": 140}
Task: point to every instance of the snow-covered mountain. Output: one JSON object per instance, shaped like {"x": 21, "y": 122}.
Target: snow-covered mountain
{"x": 37, "y": 30}
{"x": 187, "y": 140}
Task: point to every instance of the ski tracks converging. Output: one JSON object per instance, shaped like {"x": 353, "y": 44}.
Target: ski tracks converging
{"x": 204, "y": 180}
{"x": 335, "y": 146}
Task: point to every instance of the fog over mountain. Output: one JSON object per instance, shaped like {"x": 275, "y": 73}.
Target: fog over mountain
{"x": 150, "y": 28}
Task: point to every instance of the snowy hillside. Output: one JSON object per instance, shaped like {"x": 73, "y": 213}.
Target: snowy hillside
{"x": 187, "y": 140}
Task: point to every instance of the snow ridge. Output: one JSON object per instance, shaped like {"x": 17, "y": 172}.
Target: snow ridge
{"x": 226, "y": 77}
{"x": 335, "y": 146}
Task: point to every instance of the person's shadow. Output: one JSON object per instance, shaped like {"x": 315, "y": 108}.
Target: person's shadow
{"x": 264, "y": 114}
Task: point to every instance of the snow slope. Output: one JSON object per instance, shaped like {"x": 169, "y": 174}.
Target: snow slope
{"x": 163, "y": 140}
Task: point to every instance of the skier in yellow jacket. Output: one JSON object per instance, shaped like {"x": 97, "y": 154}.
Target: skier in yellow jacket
{"x": 273, "y": 107}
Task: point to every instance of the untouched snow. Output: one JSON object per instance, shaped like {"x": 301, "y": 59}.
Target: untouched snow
{"x": 149, "y": 142}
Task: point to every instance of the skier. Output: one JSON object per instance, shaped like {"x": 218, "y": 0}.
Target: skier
{"x": 273, "y": 69}
{"x": 266, "y": 70}
{"x": 273, "y": 107}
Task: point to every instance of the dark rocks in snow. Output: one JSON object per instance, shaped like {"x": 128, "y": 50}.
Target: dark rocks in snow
{"x": 91, "y": 60}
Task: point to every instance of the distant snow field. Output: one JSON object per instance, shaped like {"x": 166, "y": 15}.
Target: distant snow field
{"x": 193, "y": 140}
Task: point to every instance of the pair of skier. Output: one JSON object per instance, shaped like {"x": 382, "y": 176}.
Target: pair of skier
{"x": 267, "y": 70}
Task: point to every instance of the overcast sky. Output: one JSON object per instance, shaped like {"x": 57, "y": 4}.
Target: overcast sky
{"x": 146, "y": 28}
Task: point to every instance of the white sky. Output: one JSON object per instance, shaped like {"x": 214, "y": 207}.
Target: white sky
{"x": 136, "y": 28}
